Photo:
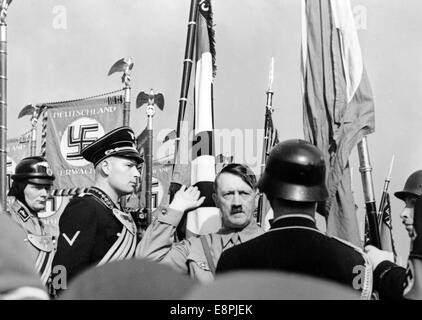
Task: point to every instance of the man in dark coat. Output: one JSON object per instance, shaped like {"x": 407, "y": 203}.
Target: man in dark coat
{"x": 94, "y": 229}
{"x": 294, "y": 181}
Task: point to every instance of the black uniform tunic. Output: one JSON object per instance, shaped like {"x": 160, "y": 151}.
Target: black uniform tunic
{"x": 93, "y": 231}
{"x": 295, "y": 244}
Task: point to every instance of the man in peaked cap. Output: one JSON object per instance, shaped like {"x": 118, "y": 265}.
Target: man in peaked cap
{"x": 93, "y": 227}
{"x": 28, "y": 195}
{"x": 293, "y": 182}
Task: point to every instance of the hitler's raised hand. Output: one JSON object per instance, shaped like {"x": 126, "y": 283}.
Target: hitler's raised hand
{"x": 186, "y": 199}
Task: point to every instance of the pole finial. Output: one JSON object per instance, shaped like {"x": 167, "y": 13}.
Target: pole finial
{"x": 391, "y": 168}
{"x": 271, "y": 75}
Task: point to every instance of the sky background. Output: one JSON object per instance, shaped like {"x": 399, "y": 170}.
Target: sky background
{"x": 61, "y": 50}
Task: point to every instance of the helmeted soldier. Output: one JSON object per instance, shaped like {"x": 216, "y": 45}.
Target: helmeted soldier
{"x": 27, "y": 197}
{"x": 391, "y": 280}
{"x": 294, "y": 181}
{"x": 94, "y": 229}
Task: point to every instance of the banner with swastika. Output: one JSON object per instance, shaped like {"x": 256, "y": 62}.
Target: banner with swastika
{"x": 71, "y": 126}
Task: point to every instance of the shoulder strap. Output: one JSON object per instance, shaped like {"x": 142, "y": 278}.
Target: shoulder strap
{"x": 207, "y": 252}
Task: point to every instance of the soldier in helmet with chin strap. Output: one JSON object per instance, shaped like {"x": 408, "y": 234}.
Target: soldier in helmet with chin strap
{"x": 27, "y": 197}
{"x": 391, "y": 280}
{"x": 294, "y": 181}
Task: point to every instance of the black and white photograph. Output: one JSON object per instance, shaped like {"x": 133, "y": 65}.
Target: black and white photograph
{"x": 210, "y": 154}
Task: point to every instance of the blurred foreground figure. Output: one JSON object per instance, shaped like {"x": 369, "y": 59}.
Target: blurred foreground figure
{"x": 27, "y": 197}
{"x": 271, "y": 285}
{"x": 390, "y": 280}
{"x": 235, "y": 195}
{"x": 129, "y": 280}
{"x": 18, "y": 278}
{"x": 294, "y": 181}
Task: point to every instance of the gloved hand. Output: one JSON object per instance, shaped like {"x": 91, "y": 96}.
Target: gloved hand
{"x": 416, "y": 251}
{"x": 376, "y": 256}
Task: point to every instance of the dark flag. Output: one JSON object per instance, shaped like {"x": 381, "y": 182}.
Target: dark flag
{"x": 142, "y": 141}
{"x": 386, "y": 232}
{"x": 338, "y": 109}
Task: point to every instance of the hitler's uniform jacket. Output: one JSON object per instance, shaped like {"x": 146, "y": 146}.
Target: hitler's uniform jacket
{"x": 295, "y": 244}
{"x": 188, "y": 256}
{"x": 93, "y": 231}
{"x": 40, "y": 242}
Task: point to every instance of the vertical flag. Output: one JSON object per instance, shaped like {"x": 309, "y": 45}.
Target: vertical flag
{"x": 386, "y": 232}
{"x": 205, "y": 219}
{"x": 338, "y": 105}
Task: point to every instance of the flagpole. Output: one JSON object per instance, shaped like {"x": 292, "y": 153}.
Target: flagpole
{"x": 124, "y": 65}
{"x": 266, "y": 141}
{"x": 126, "y": 106}
{"x": 368, "y": 190}
{"x": 150, "y": 111}
{"x": 187, "y": 70}
{"x": 3, "y": 101}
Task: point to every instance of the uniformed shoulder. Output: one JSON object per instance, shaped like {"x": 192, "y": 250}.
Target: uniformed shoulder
{"x": 83, "y": 207}
{"x": 348, "y": 244}
{"x": 17, "y": 211}
{"x": 84, "y": 199}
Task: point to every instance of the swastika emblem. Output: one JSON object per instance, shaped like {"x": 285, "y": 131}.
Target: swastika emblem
{"x": 81, "y": 140}
{"x": 79, "y": 134}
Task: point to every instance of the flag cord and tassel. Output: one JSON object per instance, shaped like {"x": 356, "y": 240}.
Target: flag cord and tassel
{"x": 368, "y": 190}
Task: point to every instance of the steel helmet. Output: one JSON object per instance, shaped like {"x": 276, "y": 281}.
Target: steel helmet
{"x": 413, "y": 186}
{"x": 34, "y": 170}
{"x": 295, "y": 171}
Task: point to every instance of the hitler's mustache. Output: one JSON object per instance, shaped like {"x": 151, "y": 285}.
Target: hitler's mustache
{"x": 236, "y": 210}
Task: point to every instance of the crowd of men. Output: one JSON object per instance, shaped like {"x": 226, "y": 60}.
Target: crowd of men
{"x": 98, "y": 246}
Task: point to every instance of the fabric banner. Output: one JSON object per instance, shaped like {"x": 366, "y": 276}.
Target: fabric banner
{"x": 386, "y": 230}
{"x": 206, "y": 218}
{"x": 71, "y": 126}
{"x": 338, "y": 108}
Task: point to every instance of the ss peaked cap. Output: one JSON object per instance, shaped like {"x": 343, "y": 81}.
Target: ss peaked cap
{"x": 117, "y": 143}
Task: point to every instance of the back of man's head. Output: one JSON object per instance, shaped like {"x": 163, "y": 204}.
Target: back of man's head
{"x": 295, "y": 174}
